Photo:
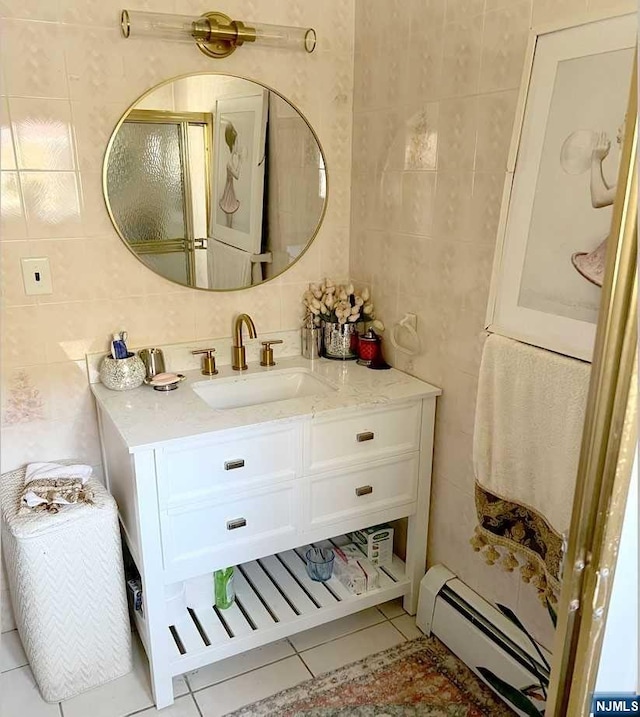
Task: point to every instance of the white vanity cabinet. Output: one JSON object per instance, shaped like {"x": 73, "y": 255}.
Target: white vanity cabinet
{"x": 255, "y": 496}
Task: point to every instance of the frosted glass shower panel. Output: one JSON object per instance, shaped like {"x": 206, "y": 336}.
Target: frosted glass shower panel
{"x": 145, "y": 182}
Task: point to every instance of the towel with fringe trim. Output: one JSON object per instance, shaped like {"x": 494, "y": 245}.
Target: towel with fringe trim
{"x": 526, "y": 446}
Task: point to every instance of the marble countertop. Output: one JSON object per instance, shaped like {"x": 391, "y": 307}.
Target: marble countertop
{"x": 146, "y": 418}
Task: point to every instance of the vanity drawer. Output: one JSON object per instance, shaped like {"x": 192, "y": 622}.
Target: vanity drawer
{"x": 254, "y": 518}
{"x": 367, "y": 435}
{"x": 188, "y": 474}
{"x": 386, "y": 484}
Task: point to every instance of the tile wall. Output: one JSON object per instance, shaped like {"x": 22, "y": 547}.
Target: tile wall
{"x": 68, "y": 77}
{"x": 433, "y": 113}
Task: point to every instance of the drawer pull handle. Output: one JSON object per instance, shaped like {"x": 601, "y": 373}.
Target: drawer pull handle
{"x": 364, "y": 490}
{"x": 231, "y": 465}
{"x": 366, "y": 436}
{"x": 237, "y": 523}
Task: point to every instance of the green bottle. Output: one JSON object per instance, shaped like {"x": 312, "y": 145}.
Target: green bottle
{"x": 224, "y": 591}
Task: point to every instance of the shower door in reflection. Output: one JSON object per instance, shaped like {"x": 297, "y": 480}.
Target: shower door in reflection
{"x": 156, "y": 188}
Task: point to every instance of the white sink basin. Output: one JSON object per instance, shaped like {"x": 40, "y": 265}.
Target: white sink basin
{"x": 258, "y": 388}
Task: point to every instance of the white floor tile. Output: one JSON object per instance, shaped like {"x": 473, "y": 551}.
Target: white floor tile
{"x": 407, "y": 626}
{"x": 235, "y": 693}
{"x": 392, "y": 609}
{"x": 11, "y": 652}
{"x": 7, "y": 618}
{"x": 182, "y": 707}
{"x": 120, "y": 697}
{"x": 352, "y": 648}
{"x": 239, "y": 664}
{"x": 337, "y": 628}
{"x": 20, "y": 696}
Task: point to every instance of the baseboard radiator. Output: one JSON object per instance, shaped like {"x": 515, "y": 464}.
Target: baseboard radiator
{"x": 477, "y": 632}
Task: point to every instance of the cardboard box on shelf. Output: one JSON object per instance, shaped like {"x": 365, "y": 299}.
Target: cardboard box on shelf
{"x": 377, "y": 543}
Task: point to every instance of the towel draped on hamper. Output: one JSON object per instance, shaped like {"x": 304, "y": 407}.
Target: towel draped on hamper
{"x": 67, "y": 588}
{"x": 526, "y": 445}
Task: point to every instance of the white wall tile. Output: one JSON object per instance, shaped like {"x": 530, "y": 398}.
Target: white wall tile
{"x": 7, "y": 153}
{"x": 42, "y": 132}
{"x": 504, "y": 41}
{"x": 457, "y": 136}
{"x": 459, "y": 10}
{"x": 13, "y": 223}
{"x": 495, "y": 122}
{"x": 12, "y": 284}
{"x": 65, "y": 50}
{"x": 52, "y": 204}
{"x": 33, "y": 56}
{"x": 463, "y": 65}
{"x": 549, "y": 11}
{"x": 461, "y": 56}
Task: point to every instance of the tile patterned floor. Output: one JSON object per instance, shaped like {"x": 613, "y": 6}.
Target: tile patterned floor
{"x": 217, "y": 689}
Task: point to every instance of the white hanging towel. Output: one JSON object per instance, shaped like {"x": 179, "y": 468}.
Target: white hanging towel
{"x": 228, "y": 267}
{"x": 526, "y": 445}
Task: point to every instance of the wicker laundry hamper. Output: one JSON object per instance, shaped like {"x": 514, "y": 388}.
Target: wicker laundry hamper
{"x": 67, "y": 587}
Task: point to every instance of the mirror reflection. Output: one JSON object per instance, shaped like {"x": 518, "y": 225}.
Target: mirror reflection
{"x": 215, "y": 182}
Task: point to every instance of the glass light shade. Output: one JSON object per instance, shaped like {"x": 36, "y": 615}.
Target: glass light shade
{"x": 292, "y": 38}
{"x": 186, "y": 28}
{"x": 178, "y": 28}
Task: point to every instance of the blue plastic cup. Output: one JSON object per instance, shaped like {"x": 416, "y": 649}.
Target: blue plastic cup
{"x": 320, "y": 563}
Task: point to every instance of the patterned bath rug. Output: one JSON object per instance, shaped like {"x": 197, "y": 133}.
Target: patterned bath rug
{"x": 420, "y": 678}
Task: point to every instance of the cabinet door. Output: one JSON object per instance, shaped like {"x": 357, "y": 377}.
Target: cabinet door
{"x": 364, "y": 435}
{"x": 385, "y": 484}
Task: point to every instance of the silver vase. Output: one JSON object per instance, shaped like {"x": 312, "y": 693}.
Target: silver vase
{"x": 340, "y": 341}
{"x": 311, "y": 342}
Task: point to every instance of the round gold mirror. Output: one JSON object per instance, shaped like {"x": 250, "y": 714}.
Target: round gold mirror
{"x": 215, "y": 181}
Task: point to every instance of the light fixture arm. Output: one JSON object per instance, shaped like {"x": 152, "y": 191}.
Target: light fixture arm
{"x": 215, "y": 33}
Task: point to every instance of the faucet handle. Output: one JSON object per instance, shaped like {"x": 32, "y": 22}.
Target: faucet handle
{"x": 208, "y": 361}
{"x": 266, "y": 355}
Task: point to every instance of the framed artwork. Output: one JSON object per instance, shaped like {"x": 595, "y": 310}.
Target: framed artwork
{"x": 238, "y": 171}
{"x": 560, "y": 186}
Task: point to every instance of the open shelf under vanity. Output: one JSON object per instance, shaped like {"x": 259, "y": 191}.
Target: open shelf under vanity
{"x": 274, "y": 598}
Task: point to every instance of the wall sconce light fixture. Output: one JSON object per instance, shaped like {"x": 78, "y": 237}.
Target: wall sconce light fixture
{"x": 215, "y": 34}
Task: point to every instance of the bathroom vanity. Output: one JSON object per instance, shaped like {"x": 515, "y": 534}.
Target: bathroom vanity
{"x": 249, "y": 470}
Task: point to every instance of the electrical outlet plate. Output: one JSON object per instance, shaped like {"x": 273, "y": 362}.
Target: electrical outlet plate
{"x": 36, "y": 275}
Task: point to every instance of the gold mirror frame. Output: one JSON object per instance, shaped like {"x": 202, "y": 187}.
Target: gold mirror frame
{"x": 132, "y": 108}
{"x": 606, "y": 458}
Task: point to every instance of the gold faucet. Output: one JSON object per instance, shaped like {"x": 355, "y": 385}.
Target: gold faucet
{"x": 238, "y": 351}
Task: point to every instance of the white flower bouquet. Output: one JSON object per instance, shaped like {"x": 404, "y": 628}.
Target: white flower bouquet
{"x": 329, "y": 302}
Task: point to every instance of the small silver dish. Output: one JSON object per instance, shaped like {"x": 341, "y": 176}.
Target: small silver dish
{"x": 167, "y": 387}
